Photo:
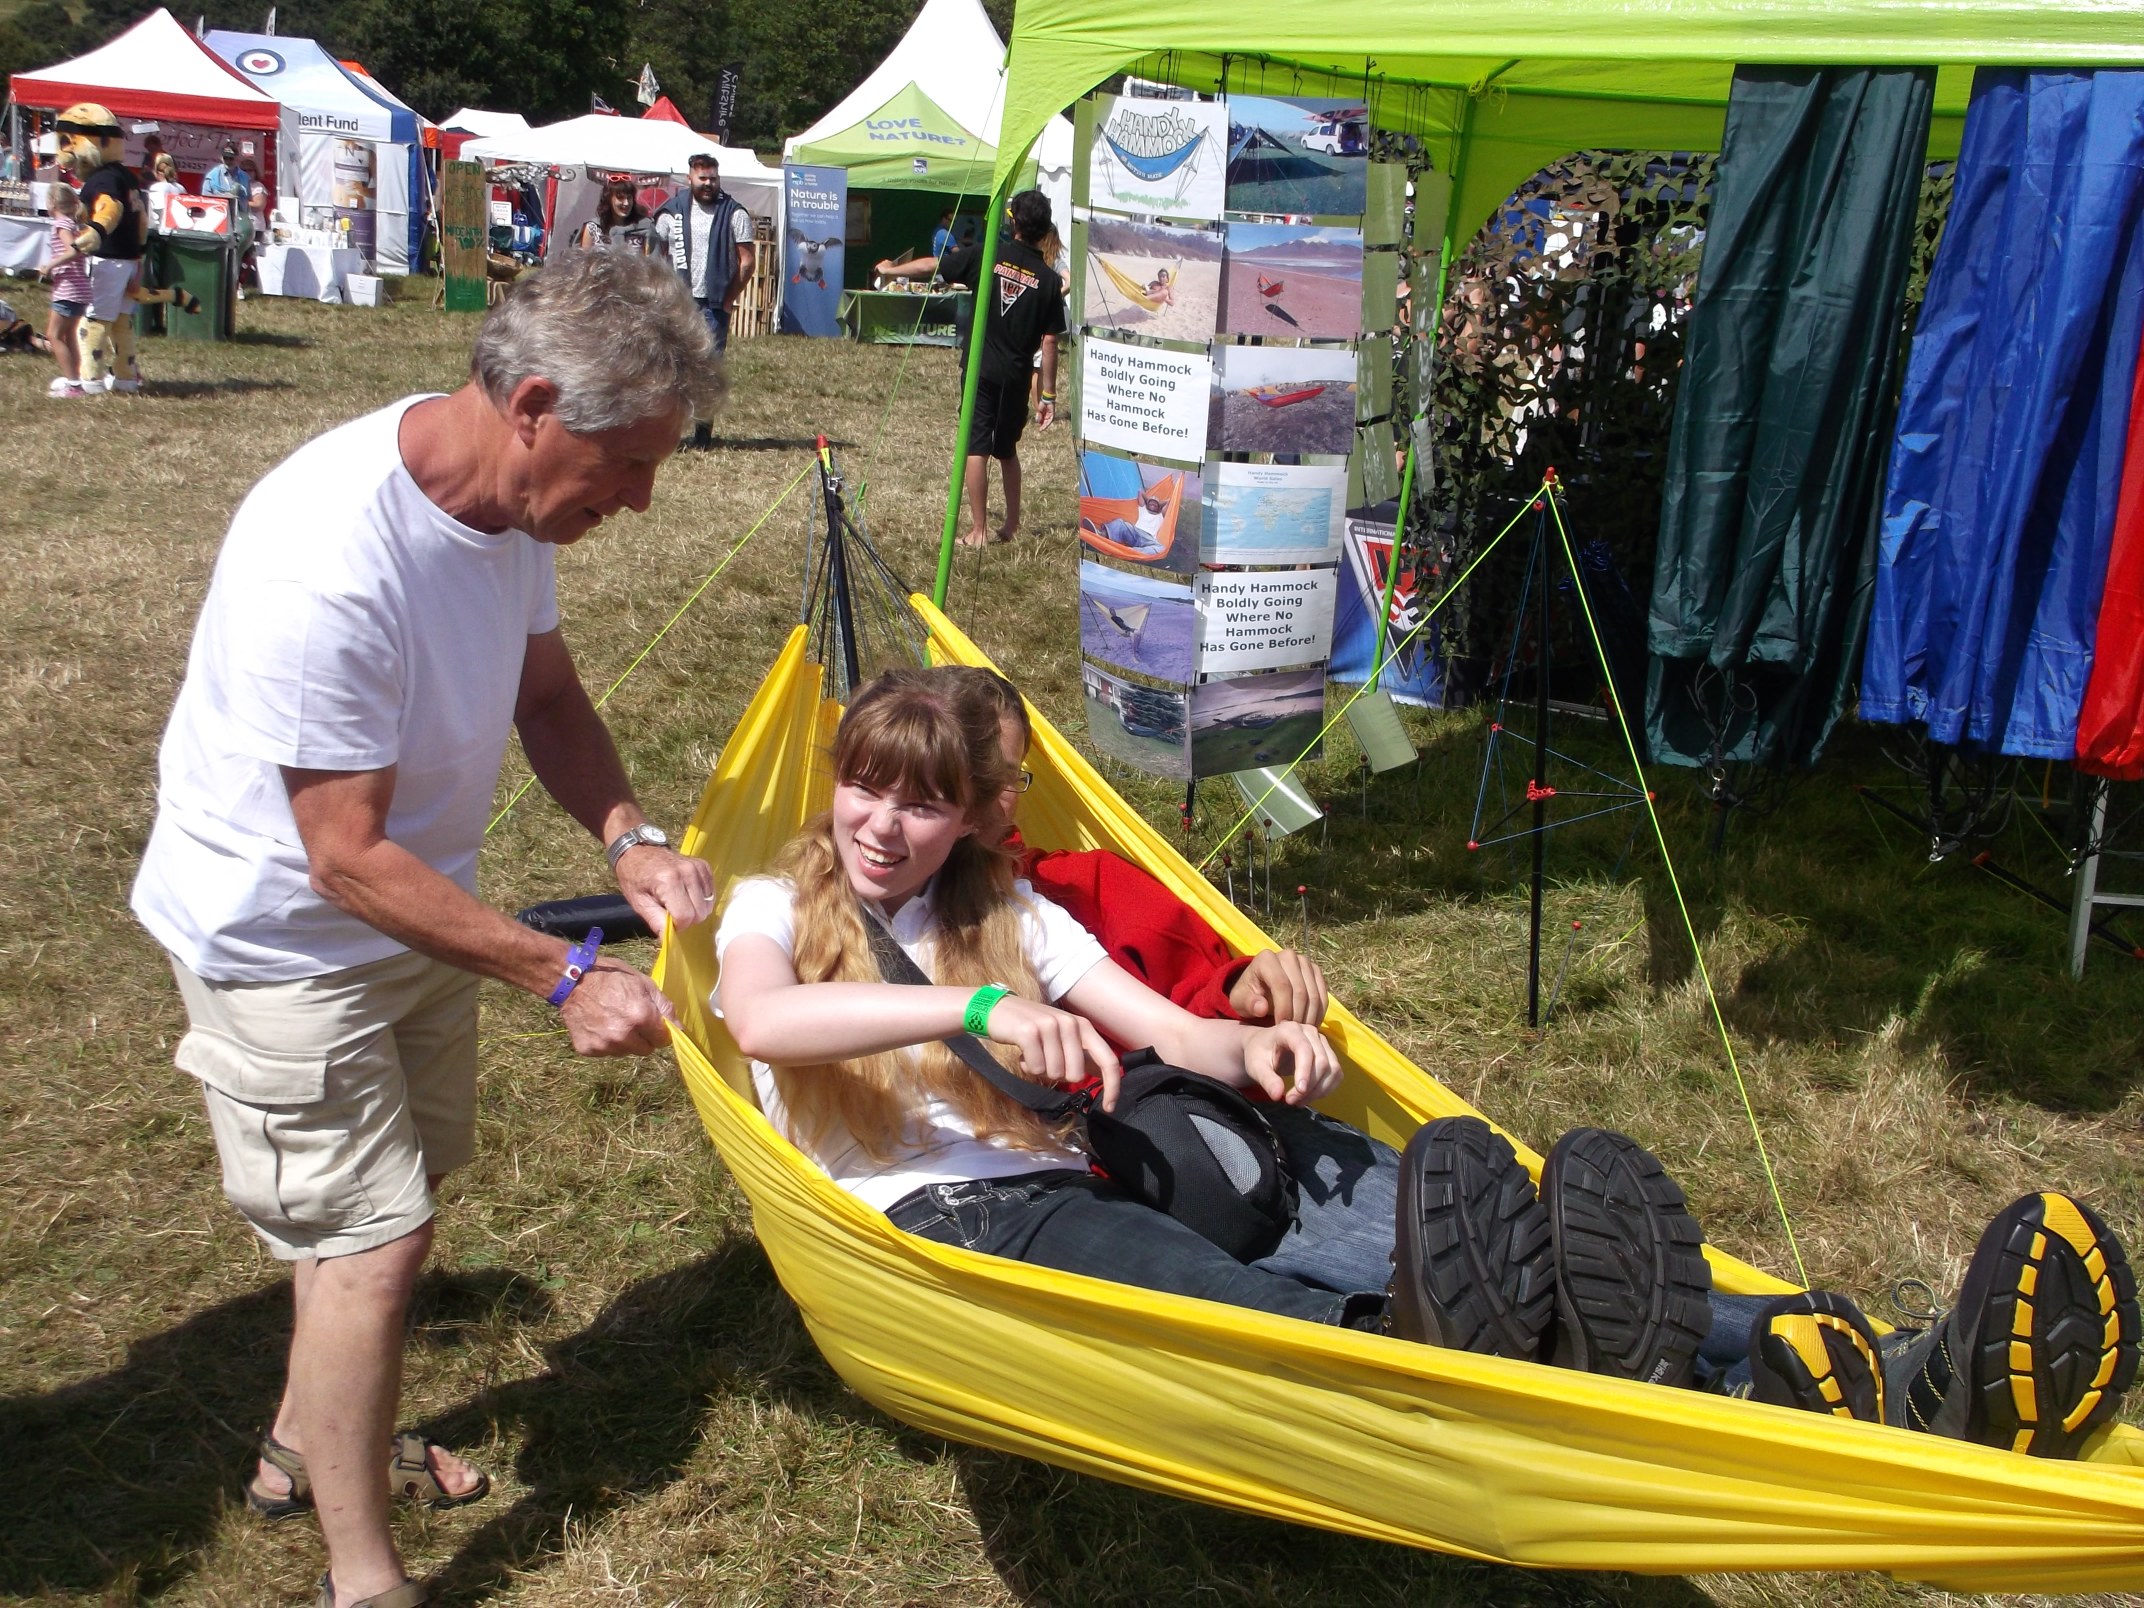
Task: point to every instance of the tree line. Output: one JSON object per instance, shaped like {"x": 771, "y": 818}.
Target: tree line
{"x": 546, "y": 58}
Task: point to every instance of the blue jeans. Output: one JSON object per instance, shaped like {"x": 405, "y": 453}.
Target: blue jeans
{"x": 718, "y": 323}
{"x": 1079, "y": 1223}
{"x": 1347, "y": 1198}
{"x": 1330, "y": 1266}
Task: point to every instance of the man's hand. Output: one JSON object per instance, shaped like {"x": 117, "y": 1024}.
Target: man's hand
{"x": 1279, "y": 985}
{"x": 657, "y": 881}
{"x": 616, "y": 1011}
{"x": 1045, "y": 414}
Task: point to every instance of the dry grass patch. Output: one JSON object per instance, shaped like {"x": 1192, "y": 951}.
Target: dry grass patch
{"x": 600, "y": 1327}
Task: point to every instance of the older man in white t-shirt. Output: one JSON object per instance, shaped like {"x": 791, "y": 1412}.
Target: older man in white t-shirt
{"x": 383, "y": 614}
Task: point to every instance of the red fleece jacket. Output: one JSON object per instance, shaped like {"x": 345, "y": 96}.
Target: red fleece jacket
{"x": 1147, "y": 930}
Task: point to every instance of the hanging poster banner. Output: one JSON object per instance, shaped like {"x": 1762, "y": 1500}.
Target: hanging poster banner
{"x": 1148, "y": 727}
{"x": 1264, "y": 619}
{"x": 1151, "y": 279}
{"x": 1274, "y": 513}
{"x": 1143, "y": 513}
{"x": 1137, "y": 622}
{"x": 818, "y": 208}
{"x": 1415, "y": 672}
{"x": 1165, "y": 158}
{"x": 1283, "y": 399}
{"x": 1147, "y": 400}
{"x": 1303, "y": 281}
{"x": 1298, "y": 156}
{"x": 1251, "y": 721}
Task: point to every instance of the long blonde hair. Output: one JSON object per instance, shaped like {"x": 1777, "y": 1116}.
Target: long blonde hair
{"x": 910, "y": 731}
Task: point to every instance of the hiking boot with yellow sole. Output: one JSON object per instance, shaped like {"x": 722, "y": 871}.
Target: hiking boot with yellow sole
{"x": 2042, "y": 1343}
{"x": 1817, "y": 1352}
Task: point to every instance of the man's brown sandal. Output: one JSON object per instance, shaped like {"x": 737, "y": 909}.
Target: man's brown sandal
{"x": 409, "y": 1477}
{"x": 409, "y": 1594}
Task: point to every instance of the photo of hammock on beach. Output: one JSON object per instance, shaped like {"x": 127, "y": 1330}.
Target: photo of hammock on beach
{"x": 1151, "y": 279}
{"x": 1300, "y": 280}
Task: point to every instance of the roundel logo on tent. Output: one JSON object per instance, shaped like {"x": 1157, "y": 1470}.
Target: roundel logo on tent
{"x": 260, "y": 63}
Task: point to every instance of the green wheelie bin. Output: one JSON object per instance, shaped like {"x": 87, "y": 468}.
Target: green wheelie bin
{"x": 207, "y": 265}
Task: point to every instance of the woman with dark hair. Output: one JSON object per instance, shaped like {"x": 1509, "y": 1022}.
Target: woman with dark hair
{"x": 620, "y": 220}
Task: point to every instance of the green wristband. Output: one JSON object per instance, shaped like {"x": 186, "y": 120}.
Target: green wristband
{"x": 976, "y": 1018}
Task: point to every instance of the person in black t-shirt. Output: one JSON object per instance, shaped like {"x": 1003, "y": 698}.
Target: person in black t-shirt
{"x": 1023, "y": 314}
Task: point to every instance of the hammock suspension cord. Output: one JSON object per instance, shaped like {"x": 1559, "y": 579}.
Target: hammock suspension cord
{"x": 1550, "y": 491}
{"x": 1689, "y": 927}
{"x": 1363, "y": 691}
{"x": 664, "y": 630}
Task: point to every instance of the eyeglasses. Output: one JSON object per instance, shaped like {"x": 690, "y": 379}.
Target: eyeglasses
{"x": 1027, "y": 780}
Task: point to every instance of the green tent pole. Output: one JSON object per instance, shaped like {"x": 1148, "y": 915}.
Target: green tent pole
{"x": 968, "y": 385}
{"x": 1445, "y": 251}
{"x": 1392, "y": 568}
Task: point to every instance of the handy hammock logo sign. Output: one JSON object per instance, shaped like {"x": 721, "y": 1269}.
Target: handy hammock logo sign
{"x": 1152, "y": 146}
{"x": 1159, "y": 157}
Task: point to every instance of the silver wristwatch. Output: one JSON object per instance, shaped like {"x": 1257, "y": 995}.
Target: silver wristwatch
{"x": 632, "y": 838}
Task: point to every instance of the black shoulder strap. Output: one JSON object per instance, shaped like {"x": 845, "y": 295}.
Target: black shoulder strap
{"x": 895, "y": 967}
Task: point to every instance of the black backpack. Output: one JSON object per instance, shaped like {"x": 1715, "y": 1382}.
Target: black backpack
{"x": 1184, "y": 1143}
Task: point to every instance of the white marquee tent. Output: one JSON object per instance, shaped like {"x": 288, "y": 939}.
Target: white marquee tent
{"x": 469, "y": 120}
{"x": 582, "y": 151}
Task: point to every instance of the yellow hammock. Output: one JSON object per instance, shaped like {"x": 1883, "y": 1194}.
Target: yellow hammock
{"x": 1126, "y": 283}
{"x": 1509, "y": 1461}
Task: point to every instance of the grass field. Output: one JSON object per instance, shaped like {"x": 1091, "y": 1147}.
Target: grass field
{"x": 600, "y": 1329}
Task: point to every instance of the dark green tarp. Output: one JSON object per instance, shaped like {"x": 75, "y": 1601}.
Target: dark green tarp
{"x": 1775, "y": 466}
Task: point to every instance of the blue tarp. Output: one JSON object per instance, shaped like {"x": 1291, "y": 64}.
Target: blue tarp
{"x": 2001, "y": 497}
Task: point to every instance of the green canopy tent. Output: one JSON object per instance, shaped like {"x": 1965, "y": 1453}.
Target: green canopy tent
{"x": 879, "y": 150}
{"x": 1498, "y": 89}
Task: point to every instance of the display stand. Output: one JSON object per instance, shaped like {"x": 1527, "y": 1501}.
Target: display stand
{"x": 1535, "y": 606}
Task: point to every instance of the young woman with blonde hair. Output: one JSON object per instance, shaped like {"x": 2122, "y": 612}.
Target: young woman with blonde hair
{"x": 852, "y": 1069}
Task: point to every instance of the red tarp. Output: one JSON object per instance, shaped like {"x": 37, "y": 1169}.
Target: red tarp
{"x": 2110, "y": 725}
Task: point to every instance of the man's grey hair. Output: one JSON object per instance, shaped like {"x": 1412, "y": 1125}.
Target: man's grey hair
{"x": 615, "y": 331}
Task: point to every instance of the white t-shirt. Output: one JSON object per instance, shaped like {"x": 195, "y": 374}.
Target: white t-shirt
{"x": 350, "y": 625}
{"x": 945, "y": 1149}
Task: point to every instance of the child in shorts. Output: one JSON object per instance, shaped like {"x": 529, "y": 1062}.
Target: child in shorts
{"x": 70, "y": 292}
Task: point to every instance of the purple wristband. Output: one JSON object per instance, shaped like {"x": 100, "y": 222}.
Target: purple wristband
{"x": 578, "y": 959}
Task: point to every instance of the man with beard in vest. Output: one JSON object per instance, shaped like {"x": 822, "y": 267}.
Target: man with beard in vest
{"x": 710, "y": 241}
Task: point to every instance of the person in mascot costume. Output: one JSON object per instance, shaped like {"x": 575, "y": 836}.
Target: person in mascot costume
{"x": 115, "y": 229}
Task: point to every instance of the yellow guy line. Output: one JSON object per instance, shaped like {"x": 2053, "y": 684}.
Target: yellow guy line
{"x": 507, "y": 808}
{"x": 1704, "y": 974}
{"x": 1397, "y": 648}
